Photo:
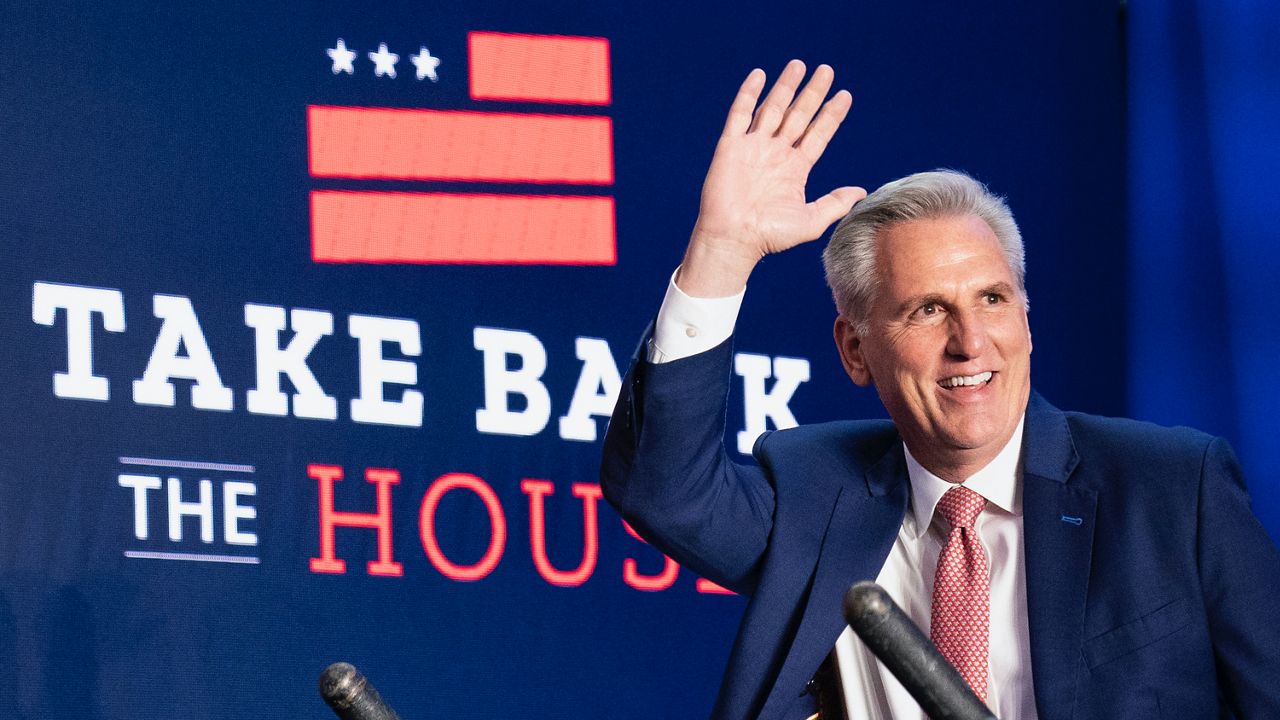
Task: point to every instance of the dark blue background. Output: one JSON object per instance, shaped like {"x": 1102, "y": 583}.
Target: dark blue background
{"x": 162, "y": 149}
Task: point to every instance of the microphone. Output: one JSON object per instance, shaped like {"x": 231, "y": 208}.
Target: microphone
{"x": 910, "y": 656}
{"x": 351, "y": 696}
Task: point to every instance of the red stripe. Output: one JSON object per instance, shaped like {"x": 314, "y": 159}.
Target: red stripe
{"x": 396, "y": 144}
{"x": 539, "y": 68}
{"x": 445, "y": 228}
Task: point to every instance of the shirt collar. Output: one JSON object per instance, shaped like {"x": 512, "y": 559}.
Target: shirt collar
{"x": 997, "y": 482}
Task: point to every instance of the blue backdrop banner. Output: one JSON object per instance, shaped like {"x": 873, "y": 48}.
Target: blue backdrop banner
{"x": 1205, "y": 155}
{"x": 314, "y": 314}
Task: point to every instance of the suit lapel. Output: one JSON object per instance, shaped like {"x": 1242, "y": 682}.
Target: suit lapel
{"x": 1058, "y": 520}
{"x": 857, "y": 541}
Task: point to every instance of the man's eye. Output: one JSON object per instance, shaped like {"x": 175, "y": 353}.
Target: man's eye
{"x": 994, "y": 298}
{"x": 928, "y": 309}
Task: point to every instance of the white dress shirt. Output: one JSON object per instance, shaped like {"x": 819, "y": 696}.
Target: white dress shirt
{"x": 687, "y": 326}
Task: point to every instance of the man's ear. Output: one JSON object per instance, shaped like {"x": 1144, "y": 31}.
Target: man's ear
{"x": 850, "y": 345}
{"x": 1027, "y": 320}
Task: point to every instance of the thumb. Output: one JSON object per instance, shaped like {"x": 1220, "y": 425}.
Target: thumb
{"x": 834, "y": 205}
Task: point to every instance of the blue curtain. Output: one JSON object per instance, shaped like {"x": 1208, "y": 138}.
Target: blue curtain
{"x": 1204, "y": 184}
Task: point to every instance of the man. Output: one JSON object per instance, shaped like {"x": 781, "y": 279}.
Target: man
{"x": 1069, "y": 566}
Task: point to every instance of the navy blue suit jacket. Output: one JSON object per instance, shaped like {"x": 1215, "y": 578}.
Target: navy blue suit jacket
{"x": 1152, "y": 590}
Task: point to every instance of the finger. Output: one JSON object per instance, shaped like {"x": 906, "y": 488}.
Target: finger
{"x": 775, "y": 104}
{"x": 833, "y": 206}
{"x": 806, "y": 104}
{"x": 744, "y": 103}
{"x": 814, "y": 141}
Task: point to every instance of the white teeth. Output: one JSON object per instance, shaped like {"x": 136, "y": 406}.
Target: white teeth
{"x": 966, "y": 380}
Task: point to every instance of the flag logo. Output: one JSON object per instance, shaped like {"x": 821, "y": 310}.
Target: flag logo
{"x": 565, "y": 152}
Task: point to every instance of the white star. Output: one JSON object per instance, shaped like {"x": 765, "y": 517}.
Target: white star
{"x": 342, "y": 58}
{"x": 425, "y": 63}
{"x": 384, "y": 62}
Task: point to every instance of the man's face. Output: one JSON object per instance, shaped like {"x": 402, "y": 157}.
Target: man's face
{"x": 948, "y": 347}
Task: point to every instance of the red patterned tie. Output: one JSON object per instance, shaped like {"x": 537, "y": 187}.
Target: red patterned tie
{"x": 961, "y": 591}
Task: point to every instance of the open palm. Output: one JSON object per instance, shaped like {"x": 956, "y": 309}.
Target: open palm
{"x": 753, "y": 199}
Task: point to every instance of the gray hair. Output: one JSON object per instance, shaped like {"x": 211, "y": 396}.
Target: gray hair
{"x": 850, "y": 257}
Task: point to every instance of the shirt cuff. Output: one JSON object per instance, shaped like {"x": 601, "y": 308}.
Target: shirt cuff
{"x": 688, "y": 325}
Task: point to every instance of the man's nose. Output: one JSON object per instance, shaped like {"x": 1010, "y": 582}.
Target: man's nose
{"x": 967, "y": 335}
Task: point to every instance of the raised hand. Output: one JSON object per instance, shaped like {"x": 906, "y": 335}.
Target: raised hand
{"x": 753, "y": 200}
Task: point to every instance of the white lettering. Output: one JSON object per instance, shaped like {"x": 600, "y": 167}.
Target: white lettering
{"x": 596, "y": 392}
{"x": 760, "y": 405}
{"x": 140, "y": 484}
{"x": 309, "y": 400}
{"x": 233, "y": 512}
{"x": 500, "y": 383}
{"x": 180, "y": 328}
{"x": 202, "y": 508}
{"x": 376, "y": 370}
{"x": 80, "y": 303}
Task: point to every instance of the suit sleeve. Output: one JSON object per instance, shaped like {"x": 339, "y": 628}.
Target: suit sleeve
{"x": 1240, "y": 576}
{"x": 666, "y": 470}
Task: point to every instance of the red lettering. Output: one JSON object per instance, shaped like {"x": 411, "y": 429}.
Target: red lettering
{"x": 706, "y": 586}
{"x": 328, "y": 562}
{"x": 497, "y": 527}
{"x": 537, "y": 490}
{"x": 649, "y": 583}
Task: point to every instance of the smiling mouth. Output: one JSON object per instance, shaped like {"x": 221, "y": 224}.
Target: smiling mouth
{"x": 966, "y": 380}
